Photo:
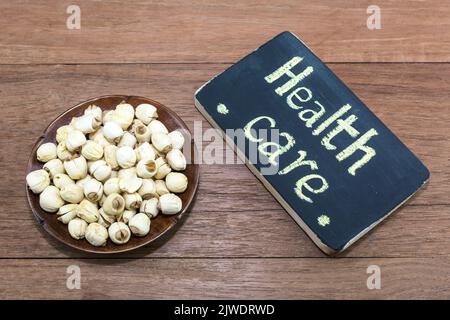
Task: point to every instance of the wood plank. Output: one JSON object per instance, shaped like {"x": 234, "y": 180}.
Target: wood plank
{"x": 219, "y": 31}
{"x": 33, "y": 95}
{"x": 226, "y": 278}
{"x": 406, "y": 97}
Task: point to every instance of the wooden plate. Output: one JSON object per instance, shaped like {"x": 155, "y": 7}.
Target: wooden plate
{"x": 160, "y": 225}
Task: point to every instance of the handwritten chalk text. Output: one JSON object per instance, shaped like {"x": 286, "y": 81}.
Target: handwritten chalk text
{"x": 311, "y": 114}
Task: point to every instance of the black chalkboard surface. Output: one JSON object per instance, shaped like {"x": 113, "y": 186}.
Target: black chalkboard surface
{"x": 331, "y": 163}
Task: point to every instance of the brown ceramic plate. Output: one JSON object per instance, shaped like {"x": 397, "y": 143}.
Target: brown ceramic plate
{"x": 160, "y": 225}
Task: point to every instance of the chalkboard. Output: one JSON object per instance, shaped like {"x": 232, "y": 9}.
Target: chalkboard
{"x": 330, "y": 162}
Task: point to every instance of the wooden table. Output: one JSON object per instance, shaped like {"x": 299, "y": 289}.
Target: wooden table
{"x": 237, "y": 242}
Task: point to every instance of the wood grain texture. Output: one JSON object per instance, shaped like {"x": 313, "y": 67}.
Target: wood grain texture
{"x": 223, "y": 278}
{"x": 413, "y": 231}
{"x": 237, "y": 242}
{"x": 212, "y": 31}
{"x": 229, "y": 195}
{"x": 406, "y": 97}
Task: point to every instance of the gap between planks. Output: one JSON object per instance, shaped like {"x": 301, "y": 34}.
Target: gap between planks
{"x": 219, "y": 258}
{"x": 207, "y": 63}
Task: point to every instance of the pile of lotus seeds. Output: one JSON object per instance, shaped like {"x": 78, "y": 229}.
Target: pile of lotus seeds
{"x": 111, "y": 172}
